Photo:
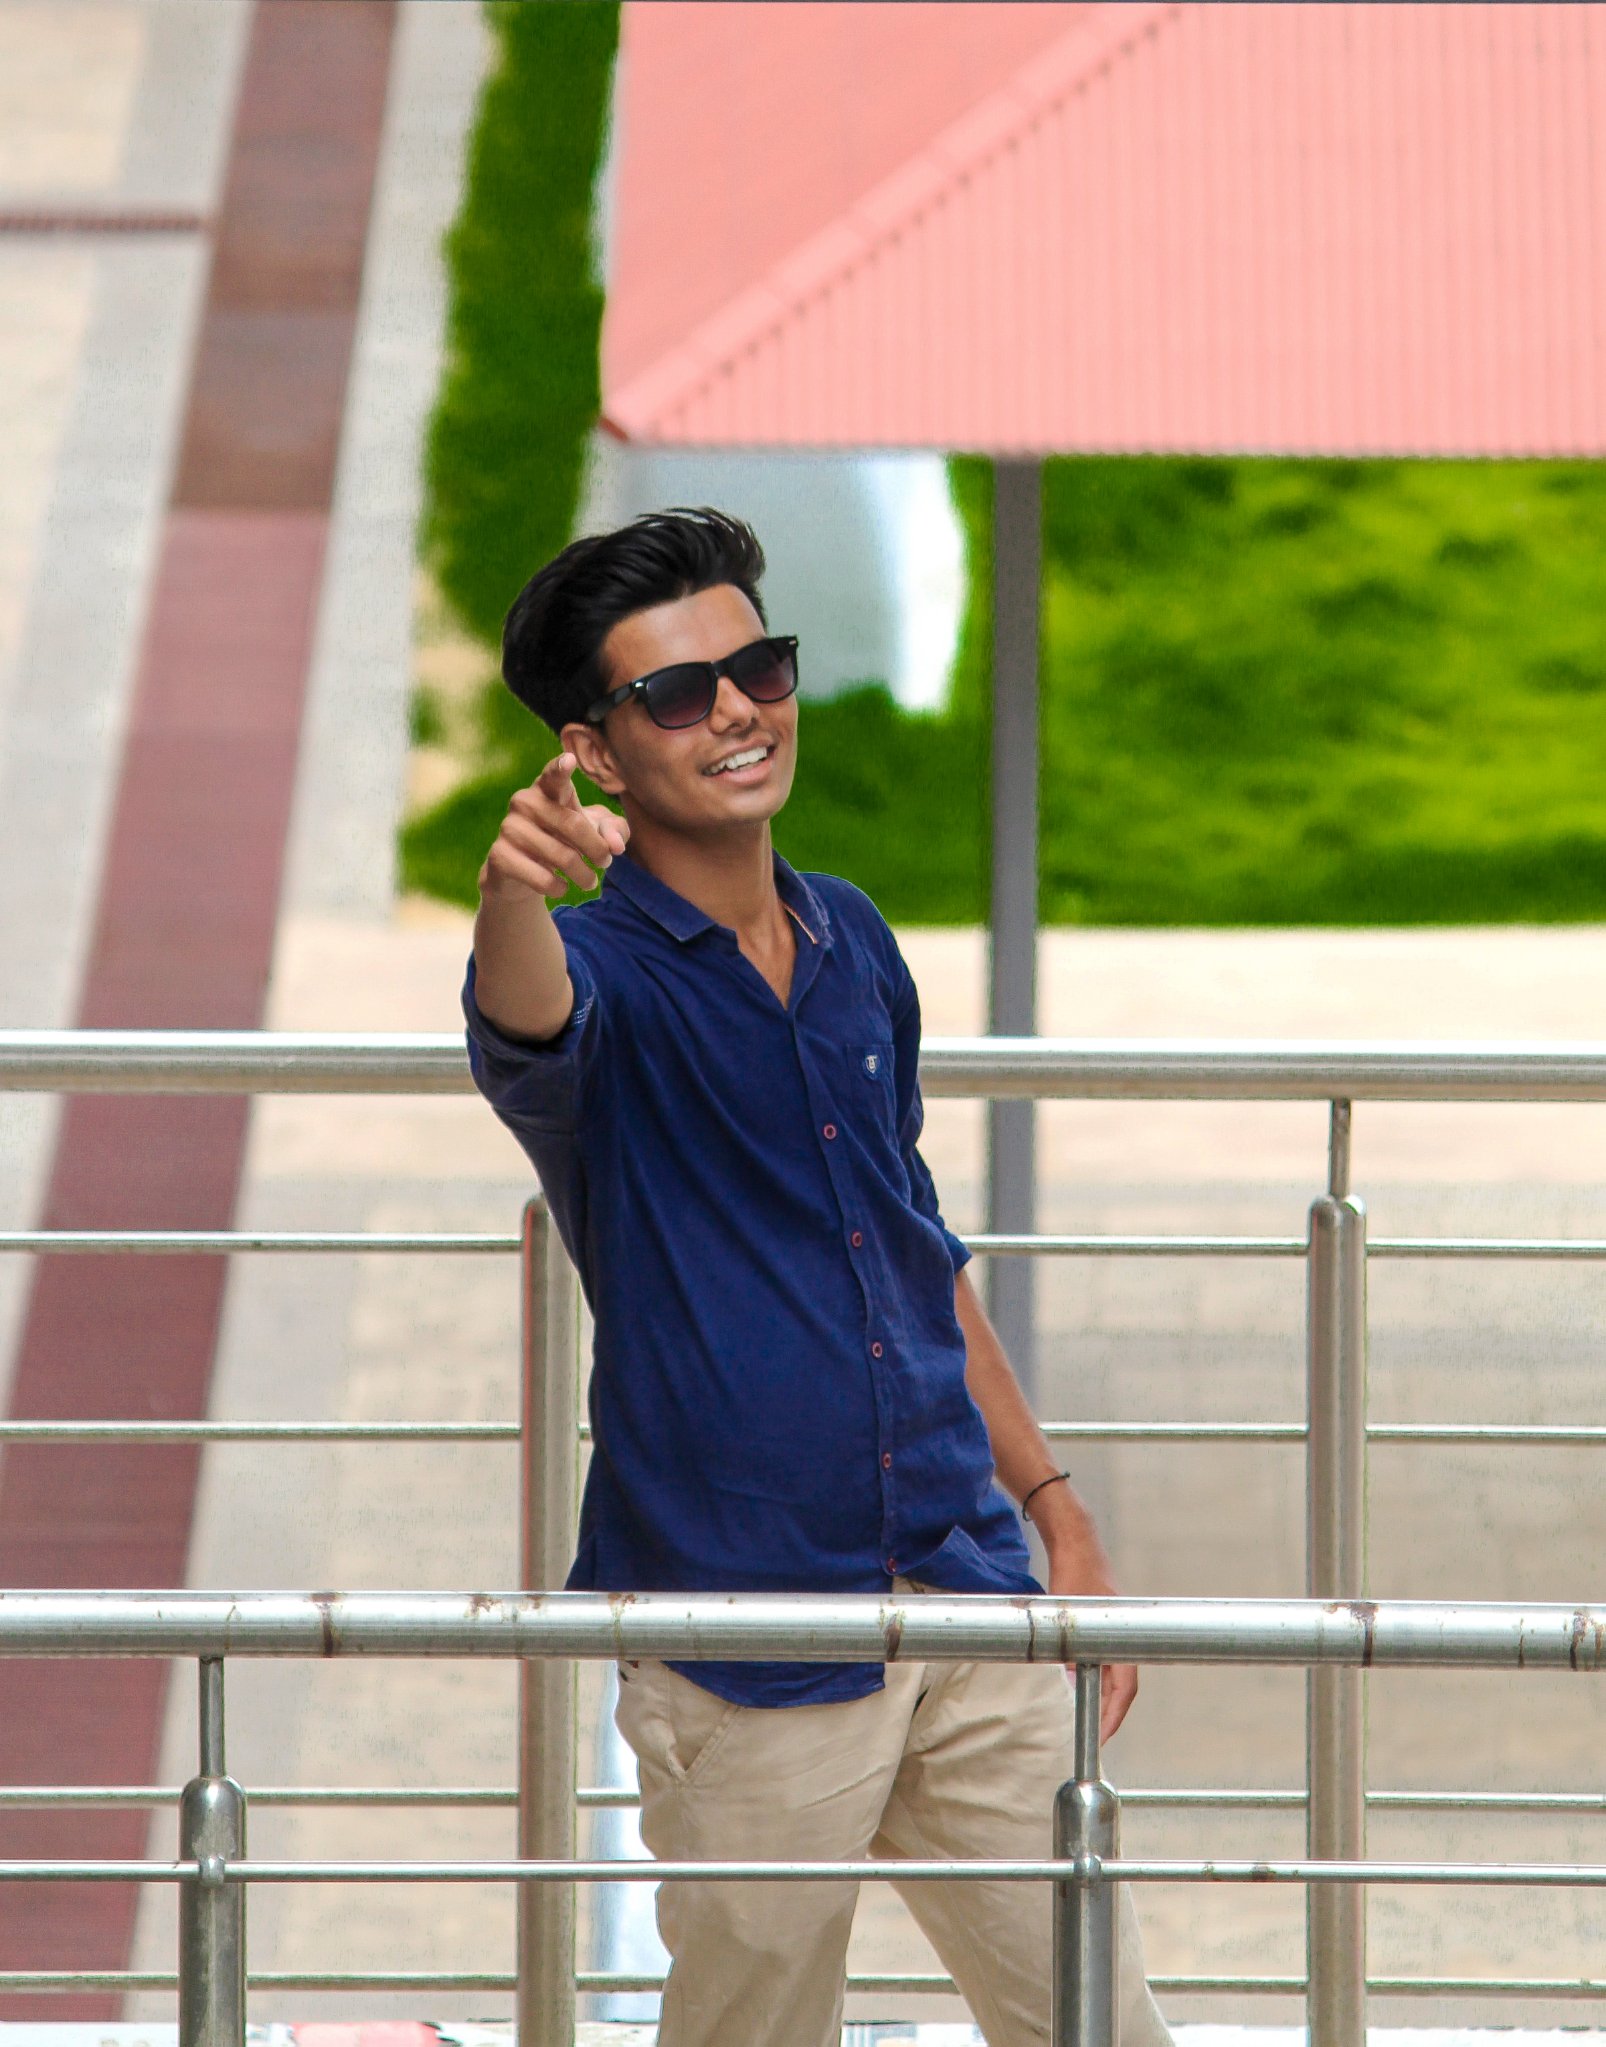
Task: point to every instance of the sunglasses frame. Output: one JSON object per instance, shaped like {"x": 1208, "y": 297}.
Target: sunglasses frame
{"x": 785, "y": 642}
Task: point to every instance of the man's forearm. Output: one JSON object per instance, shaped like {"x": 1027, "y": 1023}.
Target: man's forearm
{"x": 1077, "y": 1565}
{"x": 521, "y": 973}
{"x": 1021, "y": 1453}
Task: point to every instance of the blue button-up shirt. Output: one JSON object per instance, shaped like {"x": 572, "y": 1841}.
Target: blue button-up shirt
{"x": 778, "y": 1397}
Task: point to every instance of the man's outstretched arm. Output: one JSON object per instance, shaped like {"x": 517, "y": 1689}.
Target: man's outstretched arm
{"x": 548, "y": 840}
{"x": 1077, "y": 1564}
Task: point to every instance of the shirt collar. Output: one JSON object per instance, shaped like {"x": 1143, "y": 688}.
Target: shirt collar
{"x": 683, "y": 920}
{"x": 805, "y": 905}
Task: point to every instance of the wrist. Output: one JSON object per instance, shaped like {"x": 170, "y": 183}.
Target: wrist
{"x": 498, "y": 889}
{"x": 1035, "y": 1492}
{"x": 1064, "y": 1523}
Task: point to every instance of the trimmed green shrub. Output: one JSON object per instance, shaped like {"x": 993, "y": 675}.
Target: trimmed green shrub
{"x": 1323, "y": 692}
{"x": 520, "y": 393}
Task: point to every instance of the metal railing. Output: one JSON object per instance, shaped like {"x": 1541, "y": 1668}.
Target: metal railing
{"x": 1336, "y": 1435}
{"x": 545, "y": 1630}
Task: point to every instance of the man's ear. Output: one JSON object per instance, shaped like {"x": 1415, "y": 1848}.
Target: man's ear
{"x": 592, "y": 751}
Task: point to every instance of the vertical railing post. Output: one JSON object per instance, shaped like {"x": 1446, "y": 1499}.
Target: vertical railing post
{"x": 1011, "y": 1202}
{"x": 211, "y": 1912}
{"x": 549, "y": 1459}
{"x": 1087, "y": 1830}
{"x": 1335, "y": 1569}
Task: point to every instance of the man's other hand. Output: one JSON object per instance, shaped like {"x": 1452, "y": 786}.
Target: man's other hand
{"x": 550, "y": 840}
{"x": 1077, "y": 1571}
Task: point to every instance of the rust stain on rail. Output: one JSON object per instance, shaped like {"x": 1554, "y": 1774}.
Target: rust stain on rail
{"x": 1258, "y": 1873}
{"x": 326, "y": 1602}
{"x": 619, "y": 1604}
{"x": 1363, "y": 1611}
{"x": 1587, "y": 1647}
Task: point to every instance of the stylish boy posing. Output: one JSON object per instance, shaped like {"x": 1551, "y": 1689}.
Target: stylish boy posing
{"x": 794, "y": 1386}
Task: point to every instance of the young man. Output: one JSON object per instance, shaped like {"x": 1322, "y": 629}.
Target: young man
{"x": 794, "y": 1385}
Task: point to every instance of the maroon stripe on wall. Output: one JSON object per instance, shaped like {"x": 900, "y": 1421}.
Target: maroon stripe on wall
{"x": 184, "y": 938}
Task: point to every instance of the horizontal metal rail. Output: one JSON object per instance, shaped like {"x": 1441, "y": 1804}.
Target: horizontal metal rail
{"x": 138, "y": 1797}
{"x": 1584, "y": 1249}
{"x": 475, "y": 1243}
{"x": 234, "y": 1062}
{"x": 258, "y": 1432}
{"x": 222, "y": 1243}
{"x": 1560, "y": 1434}
{"x": 1032, "y": 1869}
{"x": 606, "y": 1981}
{"x": 804, "y": 1627}
{"x": 607, "y": 1797}
{"x": 614, "y": 1981}
{"x": 1129, "y": 1069}
{"x": 263, "y": 1979}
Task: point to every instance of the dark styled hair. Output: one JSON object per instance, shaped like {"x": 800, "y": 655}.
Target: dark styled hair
{"x": 552, "y": 639}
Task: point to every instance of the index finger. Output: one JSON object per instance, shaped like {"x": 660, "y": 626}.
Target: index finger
{"x": 556, "y": 780}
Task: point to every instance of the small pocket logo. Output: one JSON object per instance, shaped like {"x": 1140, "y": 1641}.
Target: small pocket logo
{"x": 872, "y": 1062}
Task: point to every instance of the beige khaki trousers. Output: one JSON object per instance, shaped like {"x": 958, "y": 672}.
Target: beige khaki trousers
{"x": 951, "y": 1759}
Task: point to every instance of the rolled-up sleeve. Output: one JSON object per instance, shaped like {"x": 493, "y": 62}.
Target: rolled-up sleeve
{"x": 537, "y": 1086}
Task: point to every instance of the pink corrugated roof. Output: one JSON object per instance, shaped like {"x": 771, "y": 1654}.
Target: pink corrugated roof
{"x": 1314, "y": 228}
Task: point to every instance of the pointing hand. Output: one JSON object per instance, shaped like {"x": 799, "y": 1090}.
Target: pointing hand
{"x": 550, "y": 840}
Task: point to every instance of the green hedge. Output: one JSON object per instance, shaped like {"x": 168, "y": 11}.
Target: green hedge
{"x": 1324, "y": 692}
{"x": 507, "y": 442}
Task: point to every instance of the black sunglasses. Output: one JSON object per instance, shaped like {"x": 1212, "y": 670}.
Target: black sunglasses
{"x": 683, "y": 694}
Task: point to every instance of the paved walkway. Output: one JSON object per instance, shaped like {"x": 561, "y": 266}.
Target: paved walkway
{"x": 175, "y": 909}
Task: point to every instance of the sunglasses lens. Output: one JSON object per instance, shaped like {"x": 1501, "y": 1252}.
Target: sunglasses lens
{"x": 680, "y": 696}
{"x": 766, "y": 672}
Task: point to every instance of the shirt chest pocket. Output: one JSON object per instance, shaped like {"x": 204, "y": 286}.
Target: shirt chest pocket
{"x": 868, "y": 1095}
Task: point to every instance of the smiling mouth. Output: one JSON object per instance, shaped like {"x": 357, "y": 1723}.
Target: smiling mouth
{"x": 747, "y": 757}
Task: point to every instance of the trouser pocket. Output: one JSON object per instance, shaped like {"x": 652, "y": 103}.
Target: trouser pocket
{"x": 675, "y": 1727}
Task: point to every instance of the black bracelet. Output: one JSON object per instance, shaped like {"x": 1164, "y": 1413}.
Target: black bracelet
{"x": 1036, "y": 1489}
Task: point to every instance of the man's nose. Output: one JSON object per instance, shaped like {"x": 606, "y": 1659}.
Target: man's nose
{"x": 732, "y": 706}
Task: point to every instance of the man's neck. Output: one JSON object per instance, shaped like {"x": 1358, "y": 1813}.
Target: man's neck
{"x": 731, "y": 878}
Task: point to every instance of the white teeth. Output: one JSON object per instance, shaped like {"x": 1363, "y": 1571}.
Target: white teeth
{"x": 741, "y": 760}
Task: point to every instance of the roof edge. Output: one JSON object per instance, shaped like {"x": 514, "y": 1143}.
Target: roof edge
{"x": 888, "y": 209}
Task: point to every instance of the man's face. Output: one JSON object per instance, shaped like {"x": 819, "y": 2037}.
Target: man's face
{"x": 678, "y": 778}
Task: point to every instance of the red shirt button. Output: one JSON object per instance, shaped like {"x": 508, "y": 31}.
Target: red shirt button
{"x": 886, "y": 1460}
{"x": 875, "y": 1350}
{"x": 856, "y": 1239}
{"x": 892, "y": 1565}
{"x": 830, "y": 1130}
